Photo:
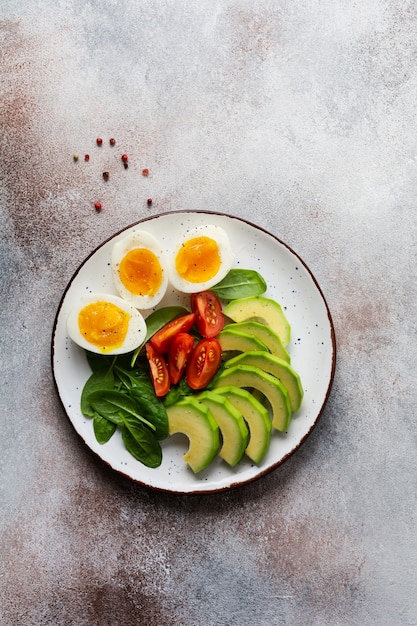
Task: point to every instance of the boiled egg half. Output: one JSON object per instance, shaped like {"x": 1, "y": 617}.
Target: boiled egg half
{"x": 106, "y": 324}
{"x": 139, "y": 269}
{"x": 201, "y": 259}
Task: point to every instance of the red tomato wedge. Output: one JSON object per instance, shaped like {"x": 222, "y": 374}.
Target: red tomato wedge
{"x": 180, "y": 350}
{"x": 162, "y": 339}
{"x": 203, "y": 363}
{"x": 159, "y": 371}
{"x": 208, "y": 311}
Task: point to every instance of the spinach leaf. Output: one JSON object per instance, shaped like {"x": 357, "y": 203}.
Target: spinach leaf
{"x": 239, "y": 283}
{"x": 173, "y": 395}
{"x": 153, "y": 408}
{"x": 134, "y": 377}
{"x": 141, "y": 443}
{"x": 99, "y": 380}
{"x": 103, "y": 428}
{"x": 98, "y": 362}
{"x": 114, "y": 406}
{"x": 177, "y": 392}
{"x": 123, "y": 378}
{"x": 155, "y": 321}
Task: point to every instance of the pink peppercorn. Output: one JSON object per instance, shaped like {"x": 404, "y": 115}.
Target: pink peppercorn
{"x": 86, "y": 157}
{"x": 149, "y": 201}
{"x": 125, "y": 158}
{"x": 106, "y": 175}
{"x": 97, "y": 206}
{"x": 145, "y": 171}
{"x": 112, "y": 141}
{"x": 99, "y": 141}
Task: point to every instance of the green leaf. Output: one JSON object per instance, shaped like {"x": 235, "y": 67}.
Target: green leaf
{"x": 177, "y": 392}
{"x": 103, "y": 429}
{"x": 153, "y": 408}
{"x": 123, "y": 379}
{"x": 140, "y": 387}
{"x": 141, "y": 443}
{"x": 155, "y": 321}
{"x": 138, "y": 376}
{"x": 239, "y": 283}
{"x": 115, "y": 405}
{"x": 99, "y": 362}
{"x": 100, "y": 380}
{"x": 172, "y": 397}
{"x": 136, "y": 354}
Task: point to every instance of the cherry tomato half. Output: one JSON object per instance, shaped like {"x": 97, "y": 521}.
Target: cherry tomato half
{"x": 159, "y": 371}
{"x": 162, "y": 339}
{"x": 180, "y": 350}
{"x": 208, "y": 311}
{"x": 203, "y": 363}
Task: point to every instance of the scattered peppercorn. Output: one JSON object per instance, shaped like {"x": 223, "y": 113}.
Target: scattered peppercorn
{"x": 106, "y": 175}
{"x": 99, "y": 141}
{"x": 97, "y": 206}
{"x": 125, "y": 158}
{"x": 145, "y": 172}
{"x": 149, "y": 201}
{"x": 112, "y": 141}
{"x": 75, "y": 157}
{"x": 86, "y": 157}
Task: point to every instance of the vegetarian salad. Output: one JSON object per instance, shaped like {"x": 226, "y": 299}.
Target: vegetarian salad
{"x": 216, "y": 369}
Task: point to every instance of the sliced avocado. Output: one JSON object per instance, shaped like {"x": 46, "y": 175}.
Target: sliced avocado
{"x": 256, "y": 417}
{"x": 232, "y": 341}
{"x": 277, "y": 367}
{"x": 233, "y": 428}
{"x": 263, "y": 333}
{"x": 271, "y": 387}
{"x": 263, "y": 310}
{"x": 196, "y": 422}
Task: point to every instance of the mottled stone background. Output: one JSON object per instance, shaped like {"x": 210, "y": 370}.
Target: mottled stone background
{"x": 301, "y": 117}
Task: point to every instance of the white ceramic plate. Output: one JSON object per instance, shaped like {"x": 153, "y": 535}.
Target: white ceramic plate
{"x": 312, "y": 349}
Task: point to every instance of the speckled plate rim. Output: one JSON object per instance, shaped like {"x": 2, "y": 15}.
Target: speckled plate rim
{"x": 312, "y": 350}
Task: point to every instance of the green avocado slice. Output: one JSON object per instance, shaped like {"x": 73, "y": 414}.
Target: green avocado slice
{"x": 233, "y": 428}
{"x": 256, "y": 417}
{"x": 262, "y": 333}
{"x": 195, "y": 420}
{"x": 263, "y": 310}
{"x": 277, "y": 367}
{"x": 248, "y": 376}
{"x": 232, "y": 341}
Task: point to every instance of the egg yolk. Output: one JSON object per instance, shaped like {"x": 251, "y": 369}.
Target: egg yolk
{"x": 198, "y": 259}
{"x": 104, "y": 325}
{"x": 141, "y": 272}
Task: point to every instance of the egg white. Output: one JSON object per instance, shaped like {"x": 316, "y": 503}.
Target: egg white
{"x": 138, "y": 239}
{"x": 136, "y": 332}
{"x": 226, "y": 258}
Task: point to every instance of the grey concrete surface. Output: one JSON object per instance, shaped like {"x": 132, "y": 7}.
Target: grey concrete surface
{"x": 301, "y": 117}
